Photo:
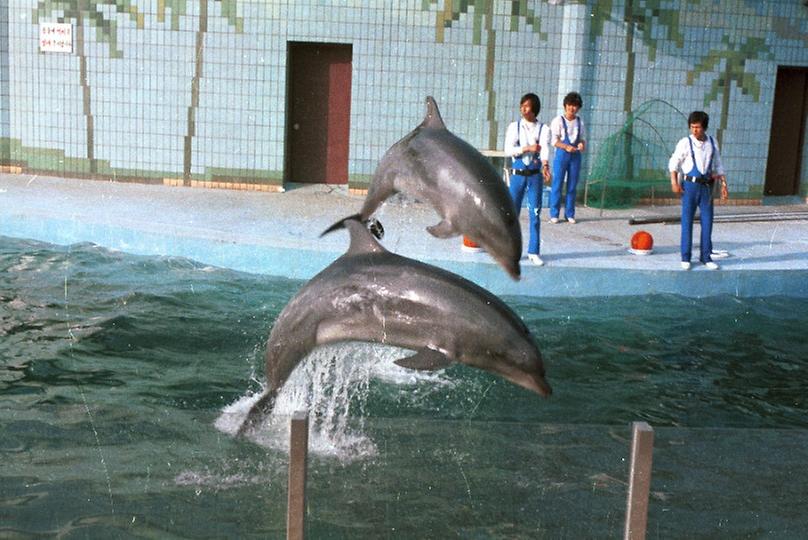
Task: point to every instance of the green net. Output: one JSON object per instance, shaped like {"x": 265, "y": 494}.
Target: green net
{"x": 632, "y": 164}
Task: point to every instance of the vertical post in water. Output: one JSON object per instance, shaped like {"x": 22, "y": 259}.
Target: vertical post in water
{"x": 639, "y": 480}
{"x": 298, "y": 462}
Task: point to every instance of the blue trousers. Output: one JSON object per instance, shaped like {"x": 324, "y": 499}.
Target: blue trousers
{"x": 697, "y": 196}
{"x": 533, "y": 186}
{"x": 569, "y": 165}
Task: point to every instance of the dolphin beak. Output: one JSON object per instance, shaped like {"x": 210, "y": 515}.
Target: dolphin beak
{"x": 511, "y": 265}
{"x": 543, "y": 388}
{"x": 533, "y": 382}
{"x": 513, "y": 270}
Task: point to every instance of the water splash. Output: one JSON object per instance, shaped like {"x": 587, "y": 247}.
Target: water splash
{"x": 332, "y": 384}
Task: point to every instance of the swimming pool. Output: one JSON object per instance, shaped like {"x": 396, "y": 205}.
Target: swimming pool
{"x": 116, "y": 369}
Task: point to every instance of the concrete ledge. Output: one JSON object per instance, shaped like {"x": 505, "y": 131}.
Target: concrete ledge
{"x": 279, "y": 234}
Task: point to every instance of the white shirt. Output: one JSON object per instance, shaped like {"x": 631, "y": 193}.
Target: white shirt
{"x": 573, "y": 128}
{"x": 524, "y": 133}
{"x": 682, "y": 162}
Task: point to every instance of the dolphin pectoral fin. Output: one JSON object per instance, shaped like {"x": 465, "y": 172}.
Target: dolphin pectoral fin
{"x": 443, "y": 229}
{"x": 425, "y": 360}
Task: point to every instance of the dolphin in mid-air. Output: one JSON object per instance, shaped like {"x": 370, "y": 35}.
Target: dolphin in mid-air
{"x": 370, "y": 294}
{"x": 433, "y": 165}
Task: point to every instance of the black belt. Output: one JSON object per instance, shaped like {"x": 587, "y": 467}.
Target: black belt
{"x": 699, "y": 179}
{"x": 526, "y": 172}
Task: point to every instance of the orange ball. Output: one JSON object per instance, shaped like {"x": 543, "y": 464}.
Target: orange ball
{"x": 642, "y": 240}
{"x": 470, "y": 245}
{"x": 468, "y": 242}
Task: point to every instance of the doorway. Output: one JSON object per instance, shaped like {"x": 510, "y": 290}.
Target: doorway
{"x": 788, "y": 132}
{"x": 319, "y": 112}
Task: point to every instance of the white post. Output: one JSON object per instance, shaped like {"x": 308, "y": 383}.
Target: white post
{"x": 639, "y": 481}
{"x": 574, "y": 37}
{"x": 298, "y": 462}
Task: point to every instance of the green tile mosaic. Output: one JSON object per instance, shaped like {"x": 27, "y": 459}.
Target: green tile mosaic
{"x": 198, "y": 89}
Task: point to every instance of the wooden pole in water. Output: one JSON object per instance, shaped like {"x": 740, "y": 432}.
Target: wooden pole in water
{"x": 639, "y": 481}
{"x": 298, "y": 463}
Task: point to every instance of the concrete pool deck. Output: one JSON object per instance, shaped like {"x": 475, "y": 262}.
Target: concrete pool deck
{"x": 278, "y": 234}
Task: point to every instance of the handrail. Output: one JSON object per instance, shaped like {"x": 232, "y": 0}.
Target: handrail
{"x": 639, "y": 478}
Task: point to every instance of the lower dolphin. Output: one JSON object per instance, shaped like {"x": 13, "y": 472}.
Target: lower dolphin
{"x": 371, "y": 295}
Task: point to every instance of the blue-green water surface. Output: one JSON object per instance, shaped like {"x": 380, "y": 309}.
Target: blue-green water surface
{"x": 115, "y": 368}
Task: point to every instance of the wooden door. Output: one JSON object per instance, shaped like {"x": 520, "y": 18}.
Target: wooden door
{"x": 319, "y": 113}
{"x": 788, "y": 132}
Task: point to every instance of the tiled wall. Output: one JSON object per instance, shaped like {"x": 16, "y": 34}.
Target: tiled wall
{"x": 476, "y": 57}
{"x": 4, "y": 92}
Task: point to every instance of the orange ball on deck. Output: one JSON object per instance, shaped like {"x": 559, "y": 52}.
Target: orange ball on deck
{"x": 642, "y": 240}
{"x": 470, "y": 245}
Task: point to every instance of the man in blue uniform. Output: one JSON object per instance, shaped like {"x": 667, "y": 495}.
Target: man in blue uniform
{"x": 697, "y": 158}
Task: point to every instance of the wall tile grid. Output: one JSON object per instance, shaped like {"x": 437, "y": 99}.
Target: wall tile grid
{"x": 4, "y": 85}
{"x": 139, "y": 80}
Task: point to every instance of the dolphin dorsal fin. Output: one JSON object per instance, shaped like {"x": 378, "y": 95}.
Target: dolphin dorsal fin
{"x": 362, "y": 240}
{"x": 432, "y": 119}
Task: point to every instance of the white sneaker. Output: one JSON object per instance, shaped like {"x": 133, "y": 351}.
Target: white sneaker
{"x": 685, "y": 265}
{"x": 711, "y": 265}
{"x": 535, "y": 259}
{"x": 553, "y": 220}
{"x": 572, "y": 220}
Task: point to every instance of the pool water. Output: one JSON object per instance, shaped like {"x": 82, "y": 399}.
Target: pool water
{"x": 120, "y": 377}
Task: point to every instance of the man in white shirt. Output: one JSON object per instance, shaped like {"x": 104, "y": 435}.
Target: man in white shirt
{"x": 527, "y": 141}
{"x": 697, "y": 158}
{"x": 567, "y": 136}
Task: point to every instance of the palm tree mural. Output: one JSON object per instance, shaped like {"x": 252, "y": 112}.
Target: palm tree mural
{"x": 483, "y": 16}
{"x": 734, "y": 57}
{"x": 85, "y": 14}
{"x": 641, "y": 18}
{"x": 178, "y": 8}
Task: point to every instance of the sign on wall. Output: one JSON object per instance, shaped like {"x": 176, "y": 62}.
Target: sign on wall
{"x": 56, "y": 37}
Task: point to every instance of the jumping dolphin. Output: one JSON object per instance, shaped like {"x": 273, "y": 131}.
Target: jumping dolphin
{"x": 465, "y": 189}
{"x": 369, "y": 294}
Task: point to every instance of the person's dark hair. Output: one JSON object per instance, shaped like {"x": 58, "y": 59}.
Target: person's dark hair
{"x": 535, "y": 102}
{"x": 699, "y": 117}
{"x": 573, "y": 98}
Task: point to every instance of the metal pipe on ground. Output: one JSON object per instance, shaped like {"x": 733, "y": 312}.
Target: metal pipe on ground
{"x": 724, "y": 218}
{"x": 639, "y": 481}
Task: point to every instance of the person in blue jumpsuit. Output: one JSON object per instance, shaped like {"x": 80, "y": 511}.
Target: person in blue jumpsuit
{"x": 527, "y": 142}
{"x": 698, "y": 160}
{"x": 567, "y": 136}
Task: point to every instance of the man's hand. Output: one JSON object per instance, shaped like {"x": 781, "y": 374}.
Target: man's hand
{"x": 724, "y": 190}
{"x": 675, "y": 187}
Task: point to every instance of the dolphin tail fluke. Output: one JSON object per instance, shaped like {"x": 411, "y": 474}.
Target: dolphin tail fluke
{"x": 258, "y": 412}
{"x": 341, "y": 224}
